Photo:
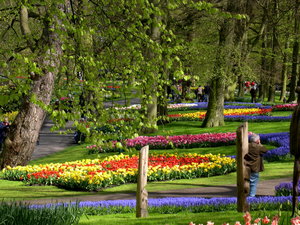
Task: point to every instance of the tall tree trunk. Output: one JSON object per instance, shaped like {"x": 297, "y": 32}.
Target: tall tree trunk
{"x": 264, "y": 67}
{"x": 241, "y": 40}
{"x": 227, "y": 39}
{"x": 295, "y": 56}
{"x": 152, "y": 86}
{"x": 22, "y": 137}
{"x": 215, "y": 111}
{"x": 274, "y": 46}
{"x": 284, "y": 72}
{"x": 241, "y": 86}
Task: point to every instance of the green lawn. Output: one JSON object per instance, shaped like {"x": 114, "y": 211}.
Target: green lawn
{"x": 194, "y": 127}
{"x": 179, "y": 218}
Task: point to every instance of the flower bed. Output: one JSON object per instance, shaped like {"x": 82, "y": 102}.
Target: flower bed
{"x": 284, "y": 107}
{"x": 182, "y": 141}
{"x": 282, "y": 140}
{"x": 96, "y": 174}
{"x": 11, "y": 116}
{"x": 285, "y": 189}
{"x": 257, "y": 118}
{"x": 227, "y": 112}
{"x": 188, "y": 204}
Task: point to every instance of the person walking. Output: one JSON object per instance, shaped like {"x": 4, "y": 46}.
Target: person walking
{"x": 254, "y": 160}
{"x": 253, "y": 92}
{"x": 4, "y": 126}
{"x": 199, "y": 93}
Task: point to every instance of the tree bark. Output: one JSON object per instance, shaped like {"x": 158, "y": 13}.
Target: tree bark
{"x": 215, "y": 112}
{"x": 241, "y": 39}
{"x": 151, "y": 111}
{"x": 295, "y": 56}
{"x": 22, "y": 137}
{"x": 284, "y": 72}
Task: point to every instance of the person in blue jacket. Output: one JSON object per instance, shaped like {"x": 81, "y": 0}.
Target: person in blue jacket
{"x": 4, "y": 126}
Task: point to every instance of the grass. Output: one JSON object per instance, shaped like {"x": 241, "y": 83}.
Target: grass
{"x": 178, "y": 218}
{"x": 72, "y": 153}
{"x": 194, "y": 127}
{"x": 273, "y": 170}
{"x": 17, "y": 190}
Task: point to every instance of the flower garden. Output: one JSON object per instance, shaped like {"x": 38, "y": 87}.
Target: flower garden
{"x": 93, "y": 175}
{"x": 110, "y": 169}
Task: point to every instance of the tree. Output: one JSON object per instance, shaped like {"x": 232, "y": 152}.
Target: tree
{"x": 222, "y": 67}
{"x": 295, "y": 56}
{"x": 46, "y": 54}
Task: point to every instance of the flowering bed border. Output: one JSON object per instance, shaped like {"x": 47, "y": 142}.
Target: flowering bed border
{"x": 285, "y": 189}
{"x": 174, "y": 205}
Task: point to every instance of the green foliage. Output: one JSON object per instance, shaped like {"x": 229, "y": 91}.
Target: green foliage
{"x": 14, "y": 213}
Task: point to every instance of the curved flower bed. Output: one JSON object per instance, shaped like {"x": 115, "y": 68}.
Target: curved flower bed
{"x": 174, "y": 205}
{"x": 282, "y": 140}
{"x": 203, "y": 105}
{"x": 96, "y": 174}
{"x": 284, "y": 107}
{"x": 285, "y": 189}
{"x": 227, "y": 112}
{"x": 257, "y": 118}
{"x": 182, "y": 141}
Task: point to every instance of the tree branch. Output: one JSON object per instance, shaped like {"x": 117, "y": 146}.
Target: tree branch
{"x": 24, "y": 22}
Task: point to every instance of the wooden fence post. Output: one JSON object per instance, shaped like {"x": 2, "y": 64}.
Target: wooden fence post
{"x": 243, "y": 173}
{"x": 141, "y": 192}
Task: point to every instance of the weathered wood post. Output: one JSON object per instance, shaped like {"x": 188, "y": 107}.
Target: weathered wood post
{"x": 141, "y": 192}
{"x": 243, "y": 173}
{"x": 295, "y": 150}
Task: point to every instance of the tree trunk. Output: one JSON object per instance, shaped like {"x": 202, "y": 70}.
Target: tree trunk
{"x": 151, "y": 111}
{"x": 274, "y": 46}
{"x": 264, "y": 68}
{"x": 22, "y": 137}
{"x": 241, "y": 39}
{"x": 241, "y": 91}
{"x": 215, "y": 112}
{"x": 292, "y": 96}
{"x": 284, "y": 72}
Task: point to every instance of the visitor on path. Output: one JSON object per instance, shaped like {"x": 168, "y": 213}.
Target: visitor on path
{"x": 4, "y": 126}
{"x": 254, "y": 160}
{"x": 253, "y": 92}
{"x": 200, "y": 93}
{"x": 206, "y": 93}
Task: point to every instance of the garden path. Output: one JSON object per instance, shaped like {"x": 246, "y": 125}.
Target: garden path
{"x": 265, "y": 188}
{"x": 51, "y": 142}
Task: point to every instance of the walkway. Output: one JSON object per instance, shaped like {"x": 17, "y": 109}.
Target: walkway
{"x": 265, "y": 188}
{"x": 51, "y": 142}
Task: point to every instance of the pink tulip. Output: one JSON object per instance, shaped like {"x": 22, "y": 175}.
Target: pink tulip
{"x": 247, "y": 217}
{"x": 265, "y": 220}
